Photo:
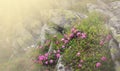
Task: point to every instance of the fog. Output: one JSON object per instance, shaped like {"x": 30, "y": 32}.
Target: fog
{"x": 20, "y": 23}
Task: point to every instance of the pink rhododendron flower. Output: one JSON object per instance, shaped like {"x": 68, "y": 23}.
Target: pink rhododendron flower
{"x": 65, "y": 36}
{"x": 46, "y": 54}
{"x": 103, "y": 58}
{"x": 57, "y": 42}
{"x": 78, "y": 54}
{"x": 66, "y": 41}
{"x": 71, "y": 35}
{"x": 101, "y": 42}
{"x": 45, "y": 58}
{"x": 98, "y": 64}
{"x": 58, "y": 51}
{"x": 78, "y": 34}
{"x": 41, "y": 57}
{"x": 83, "y": 35}
{"x": 63, "y": 39}
{"x": 51, "y": 61}
{"x": 68, "y": 38}
{"x": 108, "y": 37}
{"x": 63, "y": 46}
{"x": 58, "y": 55}
{"x": 81, "y": 61}
{"x": 80, "y": 65}
{"x": 73, "y": 29}
{"x": 46, "y": 62}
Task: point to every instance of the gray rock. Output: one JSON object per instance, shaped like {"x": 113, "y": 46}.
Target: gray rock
{"x": 115, "y": 5}
{"x": 115, "y": 8}
{"x": 61, "y": 67}
{"x": 66, "y": 17}
{"x": 115, "y": 52}
{"x": 115, "y": 23}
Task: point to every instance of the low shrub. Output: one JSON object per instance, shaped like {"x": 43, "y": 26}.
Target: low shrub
{"x": 84, "y": 47}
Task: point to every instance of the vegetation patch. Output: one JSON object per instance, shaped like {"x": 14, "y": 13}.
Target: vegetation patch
{"x": 84, "y": 47}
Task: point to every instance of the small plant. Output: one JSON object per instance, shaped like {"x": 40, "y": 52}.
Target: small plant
{"x": 84, "y": 47}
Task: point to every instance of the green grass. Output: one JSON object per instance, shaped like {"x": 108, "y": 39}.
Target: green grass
{"x": 90, "y": 50}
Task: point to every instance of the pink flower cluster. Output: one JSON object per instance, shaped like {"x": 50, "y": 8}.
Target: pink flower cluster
{"x": 74, "y": 34}
{"x": 46, "y": 60}
{"x": 80, "y": 63}
{"x": 103, "y": 58}
{"x": 78, "y": 54}
{"x": 99, "y": 64}
{"x": 109, "y": 37}
{"x": 52, "y": 57}
{"x": 102, "y": 42}
{"x": 43, "y": 57}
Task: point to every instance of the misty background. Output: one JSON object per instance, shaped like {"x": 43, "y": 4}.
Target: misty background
{"x": 20, "y": 25}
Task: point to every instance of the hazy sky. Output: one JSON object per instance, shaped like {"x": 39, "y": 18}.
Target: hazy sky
{"x": 13, "y": 13}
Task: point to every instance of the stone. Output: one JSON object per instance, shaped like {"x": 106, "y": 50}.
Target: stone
{"x": 115, "y": 52}
{"x": 115, "y": 23}
{"x": 66, "y": 17}
{"x": 115, "y": 4}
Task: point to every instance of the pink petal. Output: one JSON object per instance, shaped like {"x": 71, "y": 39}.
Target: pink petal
{"x": 98, "y": 64}
{"x": 103, "y": 58}
{"x": 80, "y": 65}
